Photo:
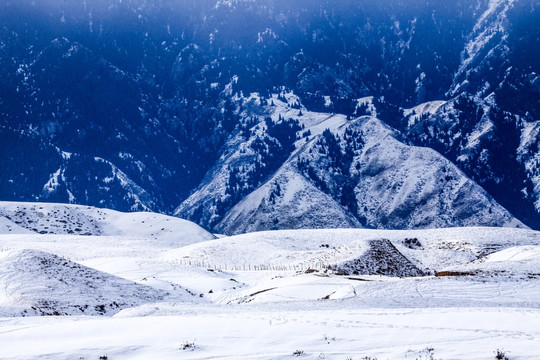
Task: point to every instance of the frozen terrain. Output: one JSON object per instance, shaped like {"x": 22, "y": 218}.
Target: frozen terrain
{"x": 148, "y": 286}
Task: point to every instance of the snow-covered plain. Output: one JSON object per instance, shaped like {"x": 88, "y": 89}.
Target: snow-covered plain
{"x": 148, "y": 286}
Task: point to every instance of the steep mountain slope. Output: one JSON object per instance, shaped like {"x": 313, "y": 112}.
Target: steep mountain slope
{"x": 486, "y": 128}
{"x": 528, "y": 154}
{"x": 495, "y": 148}
{"x": 287, "y": 201}
{"x": 499, "y": 59}
{"x": 252, "y": 158}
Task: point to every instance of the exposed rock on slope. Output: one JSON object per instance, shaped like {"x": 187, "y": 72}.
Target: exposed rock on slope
{"x": 382, "y": 258}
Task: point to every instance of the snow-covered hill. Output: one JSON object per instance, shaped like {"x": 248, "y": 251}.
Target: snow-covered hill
{"x": 342, "y": 250}
{"x": 9, "y": 227}
{"x": 63, "y": 219}
{"x": 428, "y": 250}
{"x": 517, "y": 261}
{"x": 38, "y": 283}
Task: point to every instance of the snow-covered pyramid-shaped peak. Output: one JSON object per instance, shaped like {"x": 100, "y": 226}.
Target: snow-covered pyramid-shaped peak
{"x": 39, "y": 283}
{"x": 357, "y": 173}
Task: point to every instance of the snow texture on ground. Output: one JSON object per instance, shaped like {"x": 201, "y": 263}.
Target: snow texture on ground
{"x": 268, "y": 295}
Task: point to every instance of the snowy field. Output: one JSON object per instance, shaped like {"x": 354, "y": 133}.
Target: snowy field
{"x": 148, "y": 286}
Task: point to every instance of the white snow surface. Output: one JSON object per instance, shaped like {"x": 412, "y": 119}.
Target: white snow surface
{"x": 521, "y": 261}
{"x": 9, "y": 227}
{"x": 250, "y": 296}
{"x": 459, "y": 333}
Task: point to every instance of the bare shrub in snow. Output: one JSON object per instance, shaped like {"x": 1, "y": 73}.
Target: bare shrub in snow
{"x": 500, "y": 355}
{"x": 427, "y": 354}
{"x": 328, "y": 339}
{"x": 191, "y": 346}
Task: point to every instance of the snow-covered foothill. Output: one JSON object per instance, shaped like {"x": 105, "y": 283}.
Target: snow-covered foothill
{"x": 64, "y": 219}
{"x": 517, "y": 261}
{"x": 430, "y": 250}
{"x": 38, "y": 283}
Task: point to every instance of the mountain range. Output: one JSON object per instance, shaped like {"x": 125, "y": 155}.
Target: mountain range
{"x": 256, "y": 115}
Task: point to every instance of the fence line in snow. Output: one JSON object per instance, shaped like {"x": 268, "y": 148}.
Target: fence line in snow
{"x": 317, "y": 265}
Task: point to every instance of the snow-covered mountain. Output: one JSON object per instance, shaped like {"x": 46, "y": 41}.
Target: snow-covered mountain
{"x": 486, "y": 126}
{"x": 341, "y": 173}
{"x": 154, "y": 120}
{"x": 371, "y": 170}
{"x": 494, "y": 148}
